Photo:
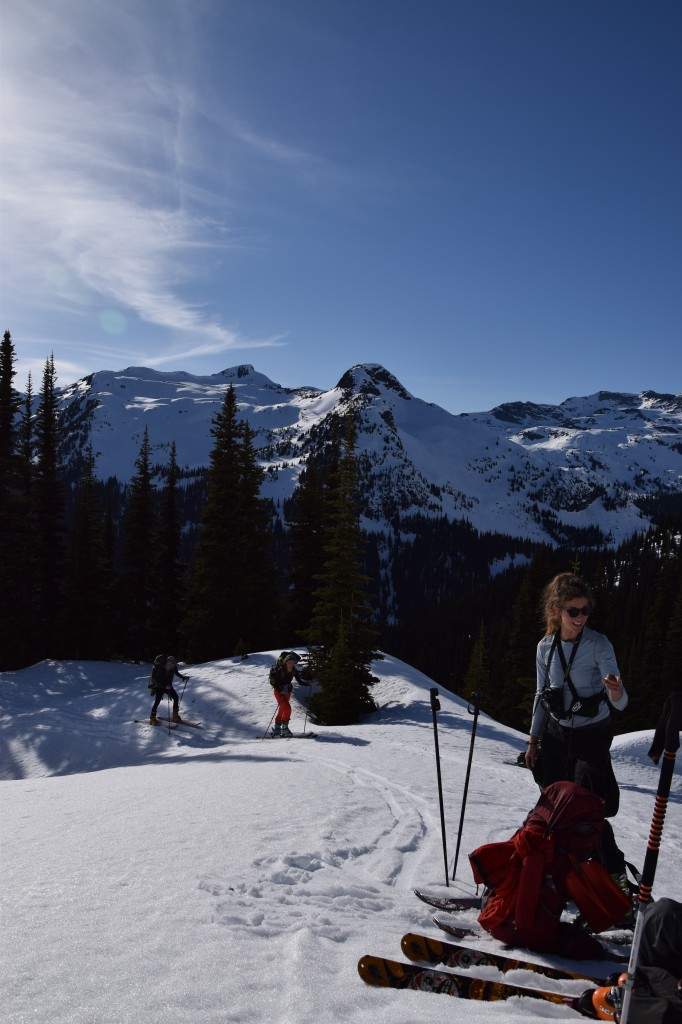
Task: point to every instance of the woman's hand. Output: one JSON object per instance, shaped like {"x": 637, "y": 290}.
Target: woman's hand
{"x": 531, "y": 753}
{"x": 614, "y": 684}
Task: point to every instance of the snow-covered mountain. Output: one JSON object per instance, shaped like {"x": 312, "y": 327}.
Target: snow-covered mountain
{"x": 519, "y": 469}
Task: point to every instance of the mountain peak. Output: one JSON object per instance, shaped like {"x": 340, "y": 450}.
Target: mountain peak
{"x": 523, "y": 412}
{"x": 369, "y": 379}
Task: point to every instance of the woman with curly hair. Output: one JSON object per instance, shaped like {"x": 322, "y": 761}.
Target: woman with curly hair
{"x": 578, "y": 684}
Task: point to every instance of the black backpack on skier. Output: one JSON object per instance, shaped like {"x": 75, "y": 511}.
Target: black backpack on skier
{"x": 159, "y": 662}
{"x": 278, "y": 664}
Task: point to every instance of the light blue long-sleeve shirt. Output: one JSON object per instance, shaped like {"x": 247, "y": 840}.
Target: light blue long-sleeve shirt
{"x": 593, "y": 660}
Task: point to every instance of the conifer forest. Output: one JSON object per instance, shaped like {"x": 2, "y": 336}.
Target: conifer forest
{"x": 205, "y": 568}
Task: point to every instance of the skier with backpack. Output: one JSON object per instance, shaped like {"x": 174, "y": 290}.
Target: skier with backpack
{"x": 281, "y": 679}
{"x": 161, "y": 684}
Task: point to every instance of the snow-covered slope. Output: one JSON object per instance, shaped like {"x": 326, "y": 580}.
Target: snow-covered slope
{"x": 205, "y": 877}
{"x": 515, "y": 469}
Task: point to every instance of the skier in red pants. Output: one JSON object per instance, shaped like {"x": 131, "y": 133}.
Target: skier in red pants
{"x": 282, "y": 684}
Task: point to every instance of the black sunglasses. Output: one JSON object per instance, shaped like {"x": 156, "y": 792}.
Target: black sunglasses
{"x": 575, "y": 612}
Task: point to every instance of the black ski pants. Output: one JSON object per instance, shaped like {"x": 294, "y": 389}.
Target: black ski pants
{"x": 163, "y": 692}
{"x": 583, "y": 756}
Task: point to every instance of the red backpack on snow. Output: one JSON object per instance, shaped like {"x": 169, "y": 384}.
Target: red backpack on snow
{"x": 532, "y": 874}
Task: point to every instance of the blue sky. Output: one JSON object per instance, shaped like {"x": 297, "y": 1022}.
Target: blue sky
{"x": 481, "y": 195}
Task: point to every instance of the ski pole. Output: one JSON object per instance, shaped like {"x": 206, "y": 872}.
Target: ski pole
{"x": 476, "y": 699}
{"x": 666, "y": 740}
{"x": 435, "y": 706}
{"x": 183, "y": 689}
{"x": 305, "y": 720}
{"x": 269, "y": 724}
{"x": 169, "y": 712}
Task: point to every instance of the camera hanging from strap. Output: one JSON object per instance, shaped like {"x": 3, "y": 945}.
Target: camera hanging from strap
{"x": 566, "y": 666}
{"x": 588, "y": 707}
{"x": 551, "y": 697}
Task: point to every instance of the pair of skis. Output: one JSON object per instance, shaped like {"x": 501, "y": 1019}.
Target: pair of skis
{"x": 169, "y": 723}
{"x": 436, "y": 965}
{"x": 452, "y": 904}
{"x": 423, "y": 950}
{"x": 291, "y": 736}
{"x": 618, "y": 938}
{"x": 392, "y": 974}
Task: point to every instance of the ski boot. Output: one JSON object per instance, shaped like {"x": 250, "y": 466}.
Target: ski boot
{"x": 277, "y": 731}
{"x": 604, "y": 1003}
{"x": 285, "y": 730}
{"x": 176, "y": 716}
{"x": 153, "y": 720}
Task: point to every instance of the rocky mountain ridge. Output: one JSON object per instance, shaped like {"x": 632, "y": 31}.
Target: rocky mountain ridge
{"x": 525, "y": 469}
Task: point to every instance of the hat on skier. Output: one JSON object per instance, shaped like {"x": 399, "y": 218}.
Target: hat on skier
{"x": 171, "y": 662}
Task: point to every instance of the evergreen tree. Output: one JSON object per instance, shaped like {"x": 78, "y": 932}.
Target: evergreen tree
{"x": 232, "y": 592}
{"x": 167, "y": 597}
{"x": 477, "y": 678}
{"x": 515, "y": 651}
{"x": 665, "y": 584}
{"x": 138, "y": 581}
{"x": 331, "y": 705}
{"x": 17, "y": 545}
{"x": 341, "y": 629}
{"x": 9, "y": 406}
{"x": 306, "y": 550}
{"x": 85, "y": 626}
{"x": 24, "y": 554}
{"x": 26, "y": 440}
{"x": 48, "y": 499}
{"x": 669, "y": 678}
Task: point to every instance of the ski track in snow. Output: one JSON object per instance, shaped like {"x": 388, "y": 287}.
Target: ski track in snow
{"x": 281, "y": 891}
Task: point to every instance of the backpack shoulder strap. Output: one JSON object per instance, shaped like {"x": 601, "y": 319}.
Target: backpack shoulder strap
{"x": 566, "y": 666}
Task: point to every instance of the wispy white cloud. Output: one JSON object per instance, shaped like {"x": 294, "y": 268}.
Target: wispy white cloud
{"x": 275, "y": 150}
{"x": 98, "y": 209}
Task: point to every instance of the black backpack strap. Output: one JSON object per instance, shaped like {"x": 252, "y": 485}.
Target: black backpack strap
{"x": 577, "y": 701}
{"x": 556, "y": 645}
{"x": 566, "y": 666}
